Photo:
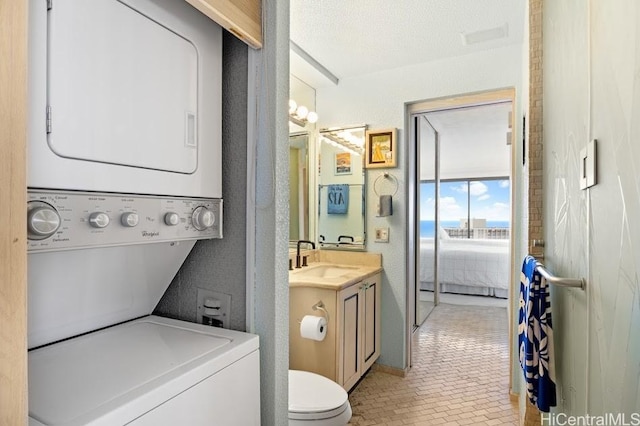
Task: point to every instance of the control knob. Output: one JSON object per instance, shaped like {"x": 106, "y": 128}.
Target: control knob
{"x": 129, "y": 219}
{"x": 99, "y": 220}
{"x": 203, "y": 218}
{"x": 42, "y": 220}
{"x": 171, "y": 219}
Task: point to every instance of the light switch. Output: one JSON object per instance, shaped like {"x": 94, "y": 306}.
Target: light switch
{"x": 382, "y": 235}
{"x": 588, "y": 161}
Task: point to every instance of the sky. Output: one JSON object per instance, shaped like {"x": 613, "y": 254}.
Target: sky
{"x": 489, "y": 200}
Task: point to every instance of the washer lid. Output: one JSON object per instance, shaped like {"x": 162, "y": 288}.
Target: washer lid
{"x": 313, "y": 393}
{"x": 123, "y": 371}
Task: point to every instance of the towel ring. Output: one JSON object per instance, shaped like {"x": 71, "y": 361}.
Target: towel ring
{"x": 389, "y": 176}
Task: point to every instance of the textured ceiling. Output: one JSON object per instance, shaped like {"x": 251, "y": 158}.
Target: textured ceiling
{"x": 356, "y": 37}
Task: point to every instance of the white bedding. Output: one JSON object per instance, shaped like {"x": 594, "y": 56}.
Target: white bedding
{"x": 472, "y": 266}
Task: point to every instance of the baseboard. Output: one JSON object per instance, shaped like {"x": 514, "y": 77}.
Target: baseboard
{"x": 390, "y": 370}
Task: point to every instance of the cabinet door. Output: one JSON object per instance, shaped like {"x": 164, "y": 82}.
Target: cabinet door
{"x": 370, "y": 329}
{"x": 349, "y": 362}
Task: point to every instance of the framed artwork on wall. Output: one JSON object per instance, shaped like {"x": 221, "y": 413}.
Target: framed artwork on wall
{"x": 342, "y": 163}
{"x": 380, "y": 148}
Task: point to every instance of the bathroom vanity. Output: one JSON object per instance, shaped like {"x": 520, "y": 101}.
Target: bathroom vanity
{"x": 349, "y": 286}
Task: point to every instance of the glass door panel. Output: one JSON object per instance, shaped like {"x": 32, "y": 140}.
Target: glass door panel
{"x": 427, "y": 260}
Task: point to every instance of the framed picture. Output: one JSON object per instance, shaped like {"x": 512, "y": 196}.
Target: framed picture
{"x": 343, "y": 163}
{"x": 380, "y": 148}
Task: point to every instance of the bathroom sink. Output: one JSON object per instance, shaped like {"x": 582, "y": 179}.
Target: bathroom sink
{"x": 327, "y": 271}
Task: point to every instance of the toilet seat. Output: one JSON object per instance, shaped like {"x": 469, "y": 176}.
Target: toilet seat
{"x": 313, "y": 397}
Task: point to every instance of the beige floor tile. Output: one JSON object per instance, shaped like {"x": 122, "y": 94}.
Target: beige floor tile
{"x": 460, "y": 375}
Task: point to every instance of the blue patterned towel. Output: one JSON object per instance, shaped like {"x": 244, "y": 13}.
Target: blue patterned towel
{"x": 535, "y": 337}
{"x": 337, "y": 199}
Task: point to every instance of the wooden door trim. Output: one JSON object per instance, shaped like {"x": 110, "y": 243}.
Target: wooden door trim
{"x": 13, "y": 195}
{"x": 242, "y": 18}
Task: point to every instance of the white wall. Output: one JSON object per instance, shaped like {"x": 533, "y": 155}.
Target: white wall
{"x": 379, "y": 100}
{"x": 519, "y": 227}
{"x": 592, "y": 90}
{"x": 473, "y": 142}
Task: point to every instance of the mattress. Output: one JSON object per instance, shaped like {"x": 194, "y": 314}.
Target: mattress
{"x": 474, "y": 266}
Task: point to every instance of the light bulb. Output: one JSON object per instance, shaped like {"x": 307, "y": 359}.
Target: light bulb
{"x": 312, "y": 117}
{"x": 302, "y": 112}
{"x": 292, "y": 106}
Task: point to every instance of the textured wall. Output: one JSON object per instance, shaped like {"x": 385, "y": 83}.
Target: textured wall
{"x": 379, "y": 100}
{"x": 532, "y": 185}
{"x": 535, "y": 147}
{"x": 221, "y": 264}
{"x": 269, "y": 202}
{"x": 592, "y": 90}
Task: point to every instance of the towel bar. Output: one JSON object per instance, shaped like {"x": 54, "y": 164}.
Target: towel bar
{"x": 561, "y": 282}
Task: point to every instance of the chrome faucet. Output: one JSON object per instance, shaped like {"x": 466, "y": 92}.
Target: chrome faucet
{"x": 313, "y": 246}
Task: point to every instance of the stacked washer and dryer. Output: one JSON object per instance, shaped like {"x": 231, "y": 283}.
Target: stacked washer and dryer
{"x": 124, "y": 176}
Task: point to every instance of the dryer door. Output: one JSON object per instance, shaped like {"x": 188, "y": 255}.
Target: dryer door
{"x": 123, "y": 87}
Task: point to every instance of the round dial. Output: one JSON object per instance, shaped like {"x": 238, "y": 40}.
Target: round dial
{"x": 171, "y": 219}
{"x": 129, "y": 219}
{"x": 203, "y": 218}
{"x": 99, "y": 220}
{"x": 42, "y": 220}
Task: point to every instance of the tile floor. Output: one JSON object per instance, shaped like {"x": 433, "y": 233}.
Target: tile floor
{"x": 459, "y": 375}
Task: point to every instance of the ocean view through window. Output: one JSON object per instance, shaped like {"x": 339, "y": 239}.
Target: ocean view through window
{"x": 469, "y": 208}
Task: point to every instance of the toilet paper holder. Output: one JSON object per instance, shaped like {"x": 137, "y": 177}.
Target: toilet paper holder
{"x": 320, "y": 307}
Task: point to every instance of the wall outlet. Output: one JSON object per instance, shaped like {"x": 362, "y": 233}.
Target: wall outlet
{"x": 214, "y": 308}
{"x": 382, "y": 235}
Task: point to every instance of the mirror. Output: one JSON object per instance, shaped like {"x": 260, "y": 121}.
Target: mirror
{"x": 302, "y": 175}
{"x": 299, "y": 186}
{"x": 341, "y": 188}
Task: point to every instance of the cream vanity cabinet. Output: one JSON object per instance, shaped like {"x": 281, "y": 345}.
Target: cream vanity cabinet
{"x": 352, "y": 343}
{"x": 359, "y": 330}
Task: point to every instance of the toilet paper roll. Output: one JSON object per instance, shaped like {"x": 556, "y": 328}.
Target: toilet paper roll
{"x": 313, "y": 327}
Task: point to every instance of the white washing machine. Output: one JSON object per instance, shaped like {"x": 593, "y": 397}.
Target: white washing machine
{"x": 124, "y": 176}
{"x": 152, "y": 371}
{"x": 97, "y": 356}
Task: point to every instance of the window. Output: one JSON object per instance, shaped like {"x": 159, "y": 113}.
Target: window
{"x": 469, "y": 208}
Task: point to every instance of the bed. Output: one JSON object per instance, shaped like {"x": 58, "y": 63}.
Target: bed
{"x": 467, "y": 266}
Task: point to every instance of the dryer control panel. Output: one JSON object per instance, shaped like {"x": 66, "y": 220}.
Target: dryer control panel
{"x": 63, "y": 220}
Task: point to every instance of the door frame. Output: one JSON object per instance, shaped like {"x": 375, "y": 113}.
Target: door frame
{"x": 13, "y": 221}
{"x": 438, "y": 104}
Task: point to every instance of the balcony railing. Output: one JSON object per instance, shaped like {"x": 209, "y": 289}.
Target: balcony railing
{"x": 479, "y": 233}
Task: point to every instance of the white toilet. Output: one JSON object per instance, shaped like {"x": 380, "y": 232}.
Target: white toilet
{"x": 316, "y": 400}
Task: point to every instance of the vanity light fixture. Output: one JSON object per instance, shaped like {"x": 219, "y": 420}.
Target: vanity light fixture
{"x": 300, "y": 114}
{"x": 344, "y": 144}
